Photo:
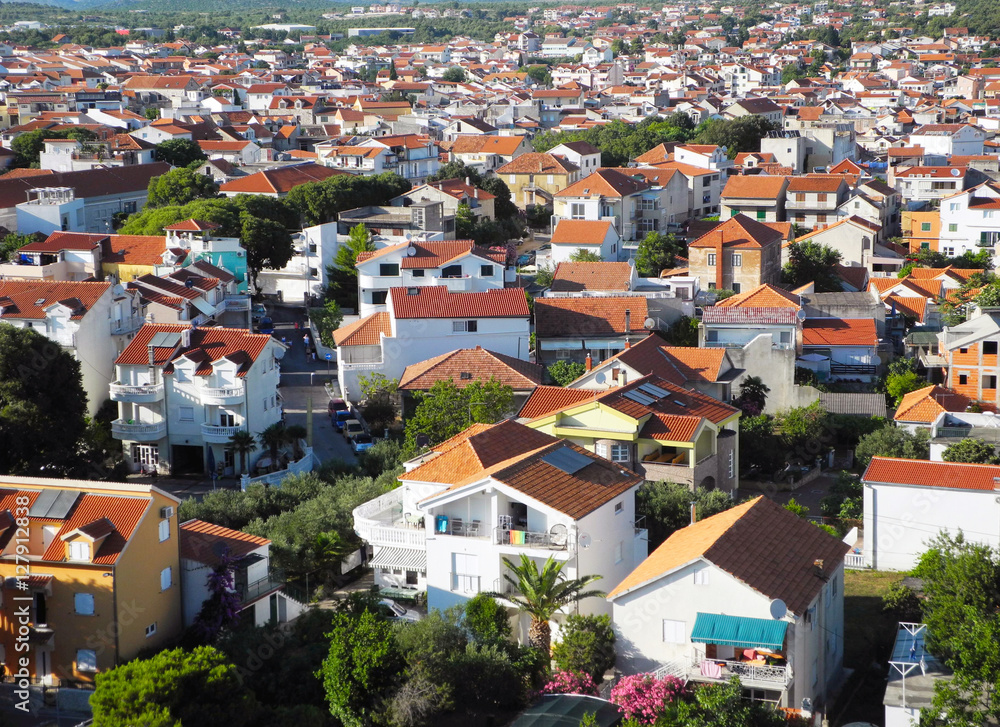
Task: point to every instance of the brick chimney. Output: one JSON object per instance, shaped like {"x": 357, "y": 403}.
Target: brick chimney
{"x": 694, "y": 512}
{"x": 589, "y": 364}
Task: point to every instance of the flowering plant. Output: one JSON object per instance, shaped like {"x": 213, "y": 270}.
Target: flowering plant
{"x": 570, "y": 682}
{"x": 643, "y": 697}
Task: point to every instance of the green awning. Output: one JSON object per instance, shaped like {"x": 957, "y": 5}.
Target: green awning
{"x": 739, "y": 631}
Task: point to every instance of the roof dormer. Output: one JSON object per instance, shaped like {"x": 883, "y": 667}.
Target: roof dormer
{"x": 83, "y": 543}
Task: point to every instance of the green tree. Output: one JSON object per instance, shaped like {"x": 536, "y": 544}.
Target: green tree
{"x": 753, "y": 395}
{"x": 539, "y": 74}
{"x": 243, "y": 444}
{"x": 456, "y": 170}
{"x": 455, "y": 74}
{"x": 810, "y": 262}
{"x": 796, "y": 508}
{"x": 989, "y": 297}
{"x": 343, "y": 274}
{"x": 175, "y": 687}
{"x": 42, "y": 404}
{"x": 563, "y": 373}
{"x": 11, "y": 243}
{"x": 581, "y": 255}
{"x": 265, "y": 233}
{"x": 975, "y": 451}
{"x": 327, "y": 319}
{"x": 486, "y": 620}
{"x": 179, "y": 152}
{"x": 791, "y": 72}
{"x": 587, "y": 645}
{"x": 544, "y": 276}
{"x": 683, "y": 332}
{"x": 737, "y": 135}
{"x": 363, "y": 662}
{"x": 446, "y": 410}
{"x": 464, "y": 221}
{"x": 898, "y": 385}
{"x": 178, "y": 187}
{"x": 379, "y": 394}
{"x": 541, "y": 593}
{"x": 28, "y": 145}
{"x": 273, "y": 438}
{"x": 666, "y": 507}
{"x": 656, "y": 253}
{"x": 891, "y": 441}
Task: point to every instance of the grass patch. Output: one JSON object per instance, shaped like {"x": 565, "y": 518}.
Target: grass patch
{"x": 868, "y": 637}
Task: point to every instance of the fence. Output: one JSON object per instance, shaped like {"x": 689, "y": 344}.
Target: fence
{"x": 306, "y": 464}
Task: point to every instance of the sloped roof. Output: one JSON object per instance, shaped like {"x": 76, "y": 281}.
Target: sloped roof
{"x": 580, "y": 232}
{"x": 739, "y": 231}
{"x": 923, "y": 473}
{"x": 205, "y": 542}
{"x": 763, "y": 296}
{"x": 839, "y": 332}
{"x": 280, "y": 181}
{"x": 575, "y": 277}
{"x": 604, "y": 316}
{"x": 364, "y": 332}
{"x": 604, "y": 183}
{"x": 471, "y": 364}
{"x": 924, "y": 405}
{"x": 439, "y": 302}
{"x": 208, "y": 346}
{"x": 760, "y": 543}
{"x": 755, "y": 186}
{"x": 28, "y": 299}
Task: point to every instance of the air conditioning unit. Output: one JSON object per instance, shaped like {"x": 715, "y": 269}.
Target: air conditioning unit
{"x": 166, "y": 513}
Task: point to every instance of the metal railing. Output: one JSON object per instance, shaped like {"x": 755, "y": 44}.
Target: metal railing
{"x": 855, "y": 561}
{"x": 261, "y": 587}
{"x": 126, "y": 325}
{"x": 955, "y": 432}
{"x": 530, "y": 539}
{"x": 237, "y": 303}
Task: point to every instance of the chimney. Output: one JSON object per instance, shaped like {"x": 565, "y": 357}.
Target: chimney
{"x": 614, "y": 374}
{"x": 818, "y": 564}
{"x": 466, "y": 181}
{"x": 628, "y": 343}
{"x": 152, "y": 356}
{"x": 475, "y": 192}
{"x": 628, "y": 321}
{"x": 694, "y": 512}
{"x": 624, "y": 377}
{"x": 590, "y": 363}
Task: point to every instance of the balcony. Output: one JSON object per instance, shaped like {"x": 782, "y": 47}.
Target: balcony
{"x": 251, "y": 592}
{"x": 141, "y": 394}
{"x": 530, "y": 539}
{"x": 382, "y": 522}
{"x": 235, "y": 303}
{"x": 215, "y": 434}
{"x": 455, "y": 284}
{"x": 223, "y": 395}
{"x": 138, "y": 431}
{"x": 750, "y": 674}
{"x": 126, "y": 325}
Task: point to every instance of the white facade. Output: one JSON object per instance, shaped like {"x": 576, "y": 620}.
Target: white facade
{"x": 305, "y": 274}
{"x": 52, "y": 209}
{"x": 967, "y": 226}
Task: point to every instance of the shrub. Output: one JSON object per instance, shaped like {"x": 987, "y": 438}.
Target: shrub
{"x": 902, "y": 603}
{"x": 644, "y": 698}
{"x": 570, "y": 682}
{"x": 486, "y": 620}
{"x": 587, "y": 646}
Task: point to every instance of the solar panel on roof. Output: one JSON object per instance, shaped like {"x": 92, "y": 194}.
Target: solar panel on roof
{"x": 165, "y": 339}
{"x": 568, "y": 460}
{"x": 43, "y": 502}
{"x": 640, "y": 398}
{"x": 654, "y": 390}
{"x": 54, "y": 504}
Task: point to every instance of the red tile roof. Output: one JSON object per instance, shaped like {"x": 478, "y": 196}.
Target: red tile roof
{"x": 28, "y": 299}
{"x": 136, "y": 249}
{"x": 605, "y": 316}
{"x": 580, "y": 232}
{"x": 538, "y": 163}
{"x": 123, "y": 513}
{"x": 434, "y": 254}
{"x": 192, "y": 225}
{"x": 574, "y": 277}
{"x": 763, "y": 296}
{"x": 65, "y": 241}
{"x": 208, "y": 344}
{"x": 439, "y": 302}
{"x": 548, "y": 399}
{"x": 605, "y": 183}
{"x": 926, "y": 404}
{"x": 754, "y": 186}
{"x": 921, "y": 473}
{"x": 471, "y": 364}
{"x": 280, "y": 181}
{"x": 839, "y": 332}
{"x": 367, "y": 331}
{"x": 205, "y": 542}
{"x": 739, "y": 231}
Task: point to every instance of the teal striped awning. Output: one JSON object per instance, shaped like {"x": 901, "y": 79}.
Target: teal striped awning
{"x": 739, "y": 631}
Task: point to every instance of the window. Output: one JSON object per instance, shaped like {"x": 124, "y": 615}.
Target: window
{"x": 963, "y": 379}
{"x": 761, "y": 215}
{"x": 166, "y": 578}
{"x": 674, "y": 632}
{"x": 620, "y": 453}
{"x": 619, "y": 552}
{"x": 737, "y": 259}
{"x": 151, "y": 629}
{"x": 417, "y": 273}
{"x": 732, "y": 464}
{"x": 389, "y": 269}
{"x": 79, "y": 550}
{"x": 701, "y": 577}
{"x": 83, "y": 604}
{"x": 989, "y": 348}
{"x": 601, "y": 450}
{"x": 821, "y": 197}
{"x": 485, "y": 271}
{"x": 164, "y": 530}
{"x": 800, "y": 197}
{"x": 820, "y": 218}
{"x": 465, "y": 573}
{"x": 379, "y": 296}
{"x": 619, "y": 507}
{"x": 711, "y": 259}
{"x": 925, "y": 226}
{"x": 86, "y": 660}
{"x": 953, "y": 206}
{"x": 577, "y": 211}
{"x": 464, "y": 326}
{"x": 989, "y": 382}
{"x": 949, "y": 251}
{"x": 187, "y": 414}
{"x": 737, "y": 288}
{"x": 963, "y": 350}
{"x": 952, "y": 227}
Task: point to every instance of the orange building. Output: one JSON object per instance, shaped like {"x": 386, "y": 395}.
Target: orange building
{"x": 970, "y": 355}
{"x": 91, "y": 576}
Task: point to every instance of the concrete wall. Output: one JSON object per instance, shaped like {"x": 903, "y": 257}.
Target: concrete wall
{"x": 776, "y": 368}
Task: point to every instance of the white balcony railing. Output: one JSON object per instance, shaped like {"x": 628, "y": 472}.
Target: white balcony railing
{"x": 777, "y": 675}
{"x": 217, "y": 433}
{"x": 136, "y": 393}
{"x": 380, "y": 522}
{"x": 237, "y": 303}
{"x": 461, "y": 284}
{"x": 142, "y": 431}
{"x": 855, "y": 561}
{"x": 223, "y": 395}
{"x": 126, "y": 325}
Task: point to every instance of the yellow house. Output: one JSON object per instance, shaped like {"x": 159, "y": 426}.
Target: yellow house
{"x": 133, "y": 256}
{"x": 534, "y": 178}
{"x": 650, "y": 426}
{"x": 91, "y": 576}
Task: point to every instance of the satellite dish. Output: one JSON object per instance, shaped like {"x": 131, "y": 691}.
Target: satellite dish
{"x": 585, "y": 541}
{"x": 411, "y": 251}
{"x": 778, "y": 609}
{"x": 801, "y": 315}
{"x": 876, "y": 360}
{"x": 408, "y": 235}
{"x": 648, "y": 324}
{"x": 956, "y": 172}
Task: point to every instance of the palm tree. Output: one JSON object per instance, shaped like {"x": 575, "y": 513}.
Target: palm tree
{"x": 242, "y": 443}
{"x": 542, "y": 593}
{"x": 753, "y": 395}
{"x": 295, "y": 433}
{"x": 272, "y": 438}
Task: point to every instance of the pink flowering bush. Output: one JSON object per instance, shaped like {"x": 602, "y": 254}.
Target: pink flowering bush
{"x": 570, "y": 682}
{"x": 643, "y": 697}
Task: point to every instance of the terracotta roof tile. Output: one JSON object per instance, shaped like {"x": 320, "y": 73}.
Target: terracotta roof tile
{"x": 739, "y": 231}
{"x": 925, "y": 405}
{"x": 575, "y": 277}
{"x": 580, "y": 232}
{"x": 763, "y": 296}
{"x": 754, "y": 186}
{"x": 439, "y": 302}
{"x": 839, "y": 332}
{"x": 279, "y": 181}
{"x": 922, "y": 473}
{"x": 367, "y": 331}
{"x": 28, "y": 299}
{"x": 538, "y": 163}
{"x": 136, "y": 249}
{"x": 545, "y": 400}
{"x": 123, "y": 513}
{"x": 604, "y": 183}
{"x": 207, "y": 344}
{"x": 471, "y": 364}
{"x": 205, "y": 542}
{"x": 561, "y": 317}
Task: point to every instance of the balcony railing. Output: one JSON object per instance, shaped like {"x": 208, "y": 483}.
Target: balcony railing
{"x": 855, "y": 561}
{"x": 217, "y": 433}
{"x": 381, "y": 522}
{"x": 952, "y": 432}
{"x": 237, "y": 303}
{"x": 122, "y": 429}
{"x": 223, "y": 395}
{"x": 461, "y": 583}
{"x": 777, "y": 675}
{"x": 530, "y": 539}
{"x": 126, "y": 325}
{"x": 137, "y": 394}
{"x": 253, "y": 591}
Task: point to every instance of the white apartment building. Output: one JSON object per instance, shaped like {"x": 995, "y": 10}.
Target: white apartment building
{"x": 457, "y": 265}
{"x": 183, "y": 392}
{"x": 91, "y": 321}
{"x": 423, "y": 322}
{"x": 970, "y": 220}
{"x": 305, "y": 274}
{"x": 448, "y": 527}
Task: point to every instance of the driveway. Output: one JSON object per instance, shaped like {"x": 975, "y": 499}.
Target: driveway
{"x": 328, "y": 444}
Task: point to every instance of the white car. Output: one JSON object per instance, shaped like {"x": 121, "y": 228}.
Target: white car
{"x": 394, "y": 612}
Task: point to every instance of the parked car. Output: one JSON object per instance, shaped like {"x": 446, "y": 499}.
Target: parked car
{"x": 336, "y": 405}
{"x": 362, "y": 442}
{"x": 257, "y": 312}
{"x": 340, "y": 416}
{"x": 352, "y": 428}
{"x": 265, "y": 325}
{"x": 393, "y": 611}
{"x": 526, "y": 259}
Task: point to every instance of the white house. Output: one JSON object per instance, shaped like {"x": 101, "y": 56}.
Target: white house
{"x": 754, "y": 592}
{"x": 458, "y": 265}
{"x": 497, "y": 491}
{"x": 970, "y": 220}
{"x": 949, "y": 139}
{"x": 422, "y": 322}
{"x": 583, "y": 154}
{"x": 596, "y": 236}
{"x": 261, "y": 593}
{"x": 305, "y": 274}
{"x": 909, "y": 502}
{"x": 183, "y": 392}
